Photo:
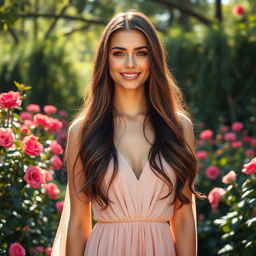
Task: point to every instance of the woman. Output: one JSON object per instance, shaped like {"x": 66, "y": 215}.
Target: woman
{"x": 130, "y": 154}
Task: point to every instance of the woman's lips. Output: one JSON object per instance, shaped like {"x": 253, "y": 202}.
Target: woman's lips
{"x": 130, "y": 75}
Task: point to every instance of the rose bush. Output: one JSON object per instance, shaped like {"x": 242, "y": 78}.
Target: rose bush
{"x": 31, "y": 148}
{"x": 227, "y": 220}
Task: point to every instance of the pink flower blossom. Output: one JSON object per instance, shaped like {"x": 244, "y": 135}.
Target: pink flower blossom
{"x": 250, "y": 167}
{"x": 6, "y": 137}
{"x": 25, "y": 116}
{"x": 24, "y": 129}
{"x": 253, "y": 142}
{"x": 41, "y": 119}
{"x": 33, "y": 108}
{"x": 63, "y": 113}
{"x": 250, "y": 152}
{"x": 206, "y": 134}
{"x": 53, "y": 124}
{"x": 215, "y": 195}
{"x": 32, "y": 146}
{"x": 238, "y": 10}
{"x": 16, "y": 249}
{"x": 10, "y": 99}
{"x": 30, "y": 124}
{"x": 56, "y": 163}
{"x": 236, "y": 144}
{"x": 47, "y": 175}
{"x": 48, "y": 251}
{"x": 246, "y": 138}
{"x": 212, "y": 172}
{"x": 237, "y": 126}
{"x": 26, "y": 228}
{"x": 52, "y": 190}
{"x": 219, "y": 136}
{"x": 224, "y": 128}
{"x": 39, "y": 248}
{"x": 56, "y": 148}
{"x": 50, "y": 109}
{"x": 201, "y": 155}
{"x": 229, "y": 177}
{"x": 34, "y": 176}
{"x": 59, "y": 206}
{"x": 230, "y": 136}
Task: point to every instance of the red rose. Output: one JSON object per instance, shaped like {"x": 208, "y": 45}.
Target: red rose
{"x": 212, "y": 172}
{"x": 56, "y": 148}
{"x": 201, "y": 155}
{"x": 33, "y": 108}
{"x": 32, "y": 146}
{"x": 230, "y": 136}
{"x": 52, "y": 190}
{"x": 10, "y": 99}
{"x": 48, "y": 251}
{"x": 206, "y": 134}
{"x": 6, "y": 137}
{"x": 214, "y": 196}
{"x": 238, "y": 10}
{"x": 59, "y": 206}
{"x": 229, "y": 177}
{"x": 41, "y": 119}
{"x": 25, "y": 116}
{"x": 16, "y": 249}
{"x": 56, "y": 163}
{"x": 26, "y": 228}
{"x": 236, "y": 144}
{"x": 34, "y": 176}
{"x": 50, "y": 109}
{"x": 30, "y": 124}
{"x": 250, "y": 167}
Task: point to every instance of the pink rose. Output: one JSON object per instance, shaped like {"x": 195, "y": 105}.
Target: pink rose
{"x": 33, "y": 108}
{"x": 230, "y": 136}
{"x": 59, "y": 206}
{"x": 229, "y": 177}
{"x": 237, "y": 126}
{"x": 41, "y": 119}
{"x": 53, "y": 124}
{"x": 52, "y": 190}
{"x": 30, "y": 124}
{"x": 34, "y": 176}
{"x": 25, "y": 116}
{"x": 250, "y": 167}
{"x": 63, "y": 113}
{"x": 39, "y": 248}
{"x": 214, "y": 196}
{"x": 236, "y": 144}
{"x": 24, "y": 129}
{"x": 224, "y": 128}
{"x": 238, "y": 10}
{"x": 6, "y": 137}
{"x": 212, "y": 172}
{"x": 56, "y": 163}
{"x": 47, "y": 175}
{"x": 246, "y": 138}
{"x": 206, "y": 134}
{"x": 32, "y": 146}
{"x": 250, "y": 152}
{"x": 26, "y": 228}
{"x": 48, "y": 251}
{"x": 56, "y": 147}
{"x": 50, "y": 109}
{"x": 16, "y": 249}
{"x": 10, "y": 99}
{"x": 201, "y": 155}
{"x": 253, "y": 142}
{"x": 219, "y": 136}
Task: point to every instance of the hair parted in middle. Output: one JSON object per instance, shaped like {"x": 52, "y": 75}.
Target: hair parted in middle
{"x": 164, "y": 101}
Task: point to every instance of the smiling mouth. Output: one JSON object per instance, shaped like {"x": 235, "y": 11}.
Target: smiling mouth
{"x": 130, "y": 75}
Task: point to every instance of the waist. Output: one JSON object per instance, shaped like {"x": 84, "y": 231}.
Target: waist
{"x": 131, "y": 220}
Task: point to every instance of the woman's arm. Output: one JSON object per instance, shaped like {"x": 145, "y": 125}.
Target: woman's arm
{"x": 183, "y": 223}
{"x": 80, "y": 222}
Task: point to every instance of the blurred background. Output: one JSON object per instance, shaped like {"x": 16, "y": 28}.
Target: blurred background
{"x": 211, "y": 45}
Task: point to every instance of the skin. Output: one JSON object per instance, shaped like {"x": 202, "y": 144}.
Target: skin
{"x": 128, "y": 55}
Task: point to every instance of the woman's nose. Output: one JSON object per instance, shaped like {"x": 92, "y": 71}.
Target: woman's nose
{"x": 130, "y": 61}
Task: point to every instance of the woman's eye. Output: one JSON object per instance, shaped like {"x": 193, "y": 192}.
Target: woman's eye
{"x": 142, "y": 53}
{"x": 118, "y": 53}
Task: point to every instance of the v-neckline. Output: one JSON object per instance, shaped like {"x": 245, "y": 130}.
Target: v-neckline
{"x": 131, "y": 170}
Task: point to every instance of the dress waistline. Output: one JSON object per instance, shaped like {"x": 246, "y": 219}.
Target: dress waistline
{"x": 123, "y": 221}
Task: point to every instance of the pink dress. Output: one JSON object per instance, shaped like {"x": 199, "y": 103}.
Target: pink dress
{"x": 136, "y": 225}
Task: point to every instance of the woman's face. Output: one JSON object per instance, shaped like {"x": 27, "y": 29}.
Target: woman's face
{"x": 128, "y": 59}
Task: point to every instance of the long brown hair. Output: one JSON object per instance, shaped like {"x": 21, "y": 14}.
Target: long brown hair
{"x": 164, "y": 99}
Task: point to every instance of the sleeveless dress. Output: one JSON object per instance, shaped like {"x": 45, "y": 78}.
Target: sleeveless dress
{"x": 136, "y": 224}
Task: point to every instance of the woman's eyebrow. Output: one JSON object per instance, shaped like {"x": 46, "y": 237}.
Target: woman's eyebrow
{"x": 124, "y": 49}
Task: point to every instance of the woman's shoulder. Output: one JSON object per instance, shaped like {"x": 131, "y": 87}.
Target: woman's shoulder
{"x": 75, "y": 127}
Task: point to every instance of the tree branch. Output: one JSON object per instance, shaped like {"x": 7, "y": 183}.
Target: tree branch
{"x": 76, "y": 30}
{"x": 185, "y": 10}
{"x": 55, "y": 22}
{"x": 14, "y": 35}
{"x": 54, "y": 16}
